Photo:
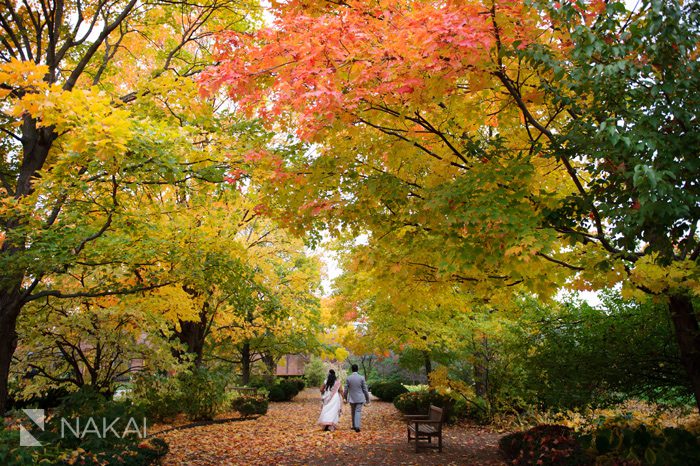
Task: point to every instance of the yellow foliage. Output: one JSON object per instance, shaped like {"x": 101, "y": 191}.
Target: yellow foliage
{"x": 25, "y": 75}
{"x": 441, "y": 382}
{"x": 679, "y": 276}
{"x": 341, "y": 354}
{"x": 174, "y": 303}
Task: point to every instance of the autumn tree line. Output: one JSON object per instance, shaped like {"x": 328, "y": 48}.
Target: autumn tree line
{"x": 469, "y": 156}
{"x": 125, "y": 239}
{"x": 166, "y": 162}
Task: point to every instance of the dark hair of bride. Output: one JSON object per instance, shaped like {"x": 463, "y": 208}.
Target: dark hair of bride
{"x": 330, "y": 381}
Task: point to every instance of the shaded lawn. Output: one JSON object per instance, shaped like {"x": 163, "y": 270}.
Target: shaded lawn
{"x": 288, "y": 435}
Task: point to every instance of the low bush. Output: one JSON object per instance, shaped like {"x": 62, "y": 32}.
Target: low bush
{"x": 419, "y": 403}
{"x": 413, "y": 403}
{"x": 315, "y": 372}
{"x": 265, "y": 382}
{"x": 248, "y": 405}
{"x": 88, "y": 444}
{"x": 387, "y": 391}
{"x": 12, "y": 454}
{"x": 277, "y": 394}
{"x": 203, "y": 394}
{"x": 158, "y": 396}
{"x": 51, "y": 398}
{"x": 285, "y": 390}
{"x": 290, "y": 388}
{"x": 301, "y": 385}
{"x": 544, "y": 445}
{"x": 200, "y": 394}
{"x": 623, "y": 437}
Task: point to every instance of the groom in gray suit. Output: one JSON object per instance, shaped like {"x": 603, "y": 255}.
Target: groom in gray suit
{"x": 356, "y": 393}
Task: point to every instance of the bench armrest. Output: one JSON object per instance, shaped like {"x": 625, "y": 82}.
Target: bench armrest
{"x": 417, "y": 421}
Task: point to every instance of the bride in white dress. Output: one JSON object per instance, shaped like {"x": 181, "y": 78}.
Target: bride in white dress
{"x": 332, "y": 395}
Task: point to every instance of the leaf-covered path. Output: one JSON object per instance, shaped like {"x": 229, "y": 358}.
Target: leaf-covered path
{"x": 288, "y": 435}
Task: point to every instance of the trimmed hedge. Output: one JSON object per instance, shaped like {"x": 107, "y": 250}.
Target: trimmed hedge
{"x": 248, "y": 405}
{"x": 290, "y": 388}
{"x": 277, "y": 394}
{"x": 300, "y": 383}
{"x": 419, "y": 403}
{"x": 285, "y": 390}
{"x": 387, "y": 391}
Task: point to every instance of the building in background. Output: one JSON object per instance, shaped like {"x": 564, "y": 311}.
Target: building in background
{"x": 291, "y": 365}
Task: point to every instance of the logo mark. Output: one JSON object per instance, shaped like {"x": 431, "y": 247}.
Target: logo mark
{"x": 25, "y": 438}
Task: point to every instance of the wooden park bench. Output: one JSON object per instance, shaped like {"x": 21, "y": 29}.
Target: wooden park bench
{"x": 425, "y": 427}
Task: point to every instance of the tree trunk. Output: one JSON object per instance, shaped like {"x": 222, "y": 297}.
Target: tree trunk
{"x": 685, "y": 322}
{"x": 245, "y": 363}
{"x": 193, "y": 334}
{"x": 428, "y": 364}
{"x": 364, "y": 368}
{"x": 481, "y": 370}
{"x": 36, "y": 143}
{"x": 480, "y": 379}
{"x": 270, "y": 363}
{"x": 8, "y": 344}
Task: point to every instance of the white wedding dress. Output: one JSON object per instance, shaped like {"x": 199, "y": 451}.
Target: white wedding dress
{"x": 332, "y": 404}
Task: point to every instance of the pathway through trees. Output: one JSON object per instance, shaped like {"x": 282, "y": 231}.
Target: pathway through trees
{"x": 288, "y": 435}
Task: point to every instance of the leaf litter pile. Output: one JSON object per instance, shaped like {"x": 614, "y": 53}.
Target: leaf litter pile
{"x": 288, "y": 435}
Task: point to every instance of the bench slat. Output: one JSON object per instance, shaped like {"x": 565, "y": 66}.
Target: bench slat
{"x": 426, "y": 428}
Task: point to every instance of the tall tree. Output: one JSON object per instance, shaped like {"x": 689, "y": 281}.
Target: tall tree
{"x": 525, "y": 139}
{"x": 75, "y": 156}
{"x": 71, "y": 343}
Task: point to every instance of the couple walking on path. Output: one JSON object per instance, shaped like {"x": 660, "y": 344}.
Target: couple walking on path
{"x": 355, "y": 393}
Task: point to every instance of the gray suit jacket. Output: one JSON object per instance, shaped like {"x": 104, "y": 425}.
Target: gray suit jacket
{"x": 356, "y": 389}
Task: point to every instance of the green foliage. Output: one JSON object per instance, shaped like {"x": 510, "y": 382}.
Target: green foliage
{"x": 290, "y": 388}
{"x": 284, "y": 389}
{"x": 413, "y": 402}
{"x": 418, "y": 402}
{"x": 621, "y": 437}
{"x": 559, "y": 352}
{"x": 639, "y": 151}
{"x": 315, "y": 372}
{"x": 89, "y": 448}
{"x": 544, "y": 445}
{"x": 158, "y": 395}
{"x": 387, "y": 391}
{"x": 299, "y": 382}
{"x": 248, "y": 405}
{"x": 199, "y": 393}
{"x": 49, "y": 398}
{"x": 12, "y": 454}
{"x": 261, "y": 382}
{"x": 277, "y": 394}
{"x": 203, "y": 393}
